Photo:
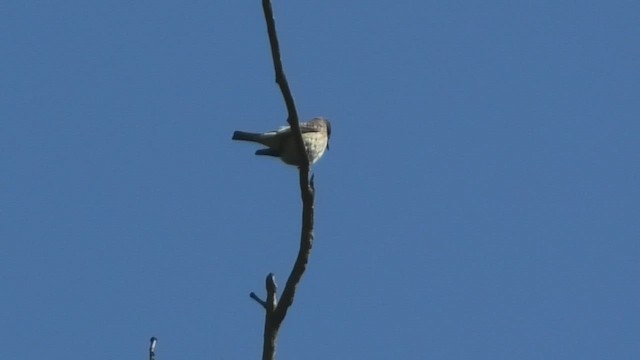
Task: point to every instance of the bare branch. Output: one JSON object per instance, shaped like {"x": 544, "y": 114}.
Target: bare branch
{"x": 258, "y": 300}
{"x": 276, "y": 311}
{"x": 272, "y": 288}
{"x": 281, "y": 80}
{"x": 271, "y": 327}
{"x": 152, "y": 348}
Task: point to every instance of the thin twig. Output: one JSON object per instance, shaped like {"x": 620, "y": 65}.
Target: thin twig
{"x": 271, "y": 326}
{"x": 152, "y": 347}
{"x": 258, "y": 300}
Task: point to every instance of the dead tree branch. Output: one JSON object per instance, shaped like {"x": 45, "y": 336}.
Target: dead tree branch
{"x": 152, "y": 348}
{"x": 277, "y": 310}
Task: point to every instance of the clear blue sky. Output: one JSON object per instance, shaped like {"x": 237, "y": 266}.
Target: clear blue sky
{"x": 480, "y": 199}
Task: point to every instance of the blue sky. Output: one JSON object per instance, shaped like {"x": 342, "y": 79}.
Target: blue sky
{"x": 479, "y": 201}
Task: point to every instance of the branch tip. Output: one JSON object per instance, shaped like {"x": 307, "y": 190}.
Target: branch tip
{"x": 258, "y": 300}
{"x": 271, "y": 283}
{"x": 152, "y": 347}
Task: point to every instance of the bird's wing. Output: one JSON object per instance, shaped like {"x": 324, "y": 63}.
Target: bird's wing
{"x": 282, "y": 129}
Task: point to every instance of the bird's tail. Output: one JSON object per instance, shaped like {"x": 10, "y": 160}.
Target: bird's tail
{"x": 246, "y": 136}
{"x": 268, "y": 152}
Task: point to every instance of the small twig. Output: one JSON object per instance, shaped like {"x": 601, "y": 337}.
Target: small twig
{"x": 271, "y": 327}
{"x": 258, "y": 300}
{"x": 152, "y": 348}
{"x": 272, "y": 288}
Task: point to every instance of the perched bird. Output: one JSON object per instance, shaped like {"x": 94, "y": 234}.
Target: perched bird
{"x": 281, "y": 143}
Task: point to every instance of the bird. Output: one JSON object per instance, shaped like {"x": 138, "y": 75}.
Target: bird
{"x": 281, "y": 143}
